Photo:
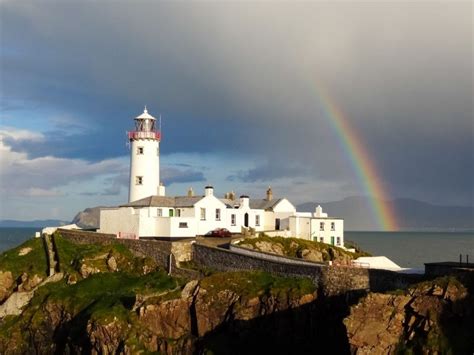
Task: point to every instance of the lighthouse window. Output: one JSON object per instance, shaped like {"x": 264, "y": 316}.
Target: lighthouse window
{"x": 333, "y": 226}
{"x": 232, "y": 219}
{"x": 140, "y": 150}
{"x": 139, "y": 180}
{"x": 203, "y": 214}
{"x": 160, "y": 212}
{"x": 218, "y": 214}
{"x": 321, "y": 226}
{"x": 257, "y": 220}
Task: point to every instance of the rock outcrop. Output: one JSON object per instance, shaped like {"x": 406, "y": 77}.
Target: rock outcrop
{"x": 6, "y": 283}
{"x": 432, "y": 317}
{"x": 299, "y": 248}
{"x": 181, "y": 320}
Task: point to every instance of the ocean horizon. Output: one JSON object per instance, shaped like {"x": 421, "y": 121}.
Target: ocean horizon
{"x": 408, "y": 249}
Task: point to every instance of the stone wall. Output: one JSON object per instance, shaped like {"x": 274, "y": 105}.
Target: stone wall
{"x": 272, "y": 257}
{"x": 157, "y": 250}
{"x": 226, "y": 260}
{"x": 331, "y": 280}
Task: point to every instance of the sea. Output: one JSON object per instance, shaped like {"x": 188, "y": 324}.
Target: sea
{"x": 407, "y": 249}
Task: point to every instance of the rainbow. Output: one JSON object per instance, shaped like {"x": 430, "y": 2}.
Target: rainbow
{"x": 361, "y": 162}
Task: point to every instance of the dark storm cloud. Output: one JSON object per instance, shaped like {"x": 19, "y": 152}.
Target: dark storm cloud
{"x": 243, "y": 77}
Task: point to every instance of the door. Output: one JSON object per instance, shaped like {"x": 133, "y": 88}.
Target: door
{"x": 277, "y": 224}
{"x": 332, "y": 240}
{"x": 246, "y": 220}
{"x": 171, "y": 213}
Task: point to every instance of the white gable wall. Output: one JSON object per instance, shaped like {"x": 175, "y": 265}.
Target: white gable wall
{"x": 210, "y": 203}
{"x": 119, "y": 220}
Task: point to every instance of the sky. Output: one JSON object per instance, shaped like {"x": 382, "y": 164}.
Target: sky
{"x": 236, "y": 85}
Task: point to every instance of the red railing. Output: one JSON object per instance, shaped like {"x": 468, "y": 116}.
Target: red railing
{"x": 144, "y": 135}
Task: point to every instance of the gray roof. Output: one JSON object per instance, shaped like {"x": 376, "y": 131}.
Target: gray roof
{"x": 185, "y": 201}
{"x": 165, "y": 201}
{"x": 264, "y": 204}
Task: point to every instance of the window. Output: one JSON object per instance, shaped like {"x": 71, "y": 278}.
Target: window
{"x": 138, "y": 180}
{"x": 183, "y": 224}
{"x": 232, "y": 219}
{"x": 218, "y": 214}
{"x": 160, "y": 212}
{"x": 338, "y": 240}
{"x": 257, "y": 220}
{"x": 140, "y": 150}
{"x": 203, "y": 214}
{"x": 333, "y": 226}
{"x": 321, "y": 239}
{"x": 321, "y": 226}
{"x": 178, "y": 212}
{"x": 171, "y": 212}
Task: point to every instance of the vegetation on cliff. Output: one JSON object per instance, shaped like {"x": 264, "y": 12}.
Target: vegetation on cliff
{"x": 111, "y": 301}
{"x": 300, "y": 248}
{"x": 108, "y": 300}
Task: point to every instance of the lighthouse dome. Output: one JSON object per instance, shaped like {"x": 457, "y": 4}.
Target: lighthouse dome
{"x": 145, "y": 115}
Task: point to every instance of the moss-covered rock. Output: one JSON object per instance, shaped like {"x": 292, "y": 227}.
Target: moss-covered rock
{"x": 299, "y": 248}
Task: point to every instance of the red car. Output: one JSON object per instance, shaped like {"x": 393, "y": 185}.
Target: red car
{"x": 219, "y": 233}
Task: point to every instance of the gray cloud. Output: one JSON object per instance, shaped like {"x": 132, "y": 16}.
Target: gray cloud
{"x": 171, "y": 175}
{"x": 243, "y": 77}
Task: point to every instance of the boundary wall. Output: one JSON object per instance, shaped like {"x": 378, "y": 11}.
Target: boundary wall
{"x": 272, "y": 257}
{"x": 158, "y": 250}
{"x": 331, "y": 280}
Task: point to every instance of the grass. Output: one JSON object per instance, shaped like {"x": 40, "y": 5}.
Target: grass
{"x": 72, "y": 255}
{"x": 32, "y": 263}
{"x": 291, "y": 246}
{"x": 101, "y": 298}
{"x": 256, "y": 283}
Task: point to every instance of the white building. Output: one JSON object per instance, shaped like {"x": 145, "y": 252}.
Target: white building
{"x": 149, "y": 213}
{"x": 318, "y": 227}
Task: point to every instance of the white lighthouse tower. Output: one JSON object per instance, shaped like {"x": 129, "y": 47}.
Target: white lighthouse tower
{"x": 145, "y": 158}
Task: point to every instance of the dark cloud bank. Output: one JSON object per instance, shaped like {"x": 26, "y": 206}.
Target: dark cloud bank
{"x": 231, "y": 78}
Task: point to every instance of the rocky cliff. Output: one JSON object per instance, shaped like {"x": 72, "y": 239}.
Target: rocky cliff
{"x": 433, "y": 317}
{"x": 104, "y": 300}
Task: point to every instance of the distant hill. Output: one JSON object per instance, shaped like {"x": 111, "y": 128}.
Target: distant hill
{"x": 89, "y": 218}
{"x": 412, "y": 214}
{"x": 10, "y": 223}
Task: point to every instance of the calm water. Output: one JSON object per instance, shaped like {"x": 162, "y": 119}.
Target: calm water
{"x": 413, "y": 249}
{"x": 407, "y": 249}
{"x": 11, "y": 237}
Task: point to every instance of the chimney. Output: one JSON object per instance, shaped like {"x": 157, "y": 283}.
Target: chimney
{"x": 269, "y": 194}
{"x": 318, "y": 212}
{"x": 190, "y": 192}
{"x": 232, "y": 195}
{"x": 208, "y": 191}
{"x": 244, "y": 201}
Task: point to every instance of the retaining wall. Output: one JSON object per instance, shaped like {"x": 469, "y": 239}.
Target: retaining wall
{"x": 331, "y": 280}
{"x": 272, "y": 257}
{"x": 157, "y": 250}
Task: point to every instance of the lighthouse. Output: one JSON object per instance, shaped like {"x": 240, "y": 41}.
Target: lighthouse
{"x": 145, "y": 158}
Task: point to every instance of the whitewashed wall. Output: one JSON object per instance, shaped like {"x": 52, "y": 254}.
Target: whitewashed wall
{"x": 115, "y": 220}
{"x": 146, "y": 165}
